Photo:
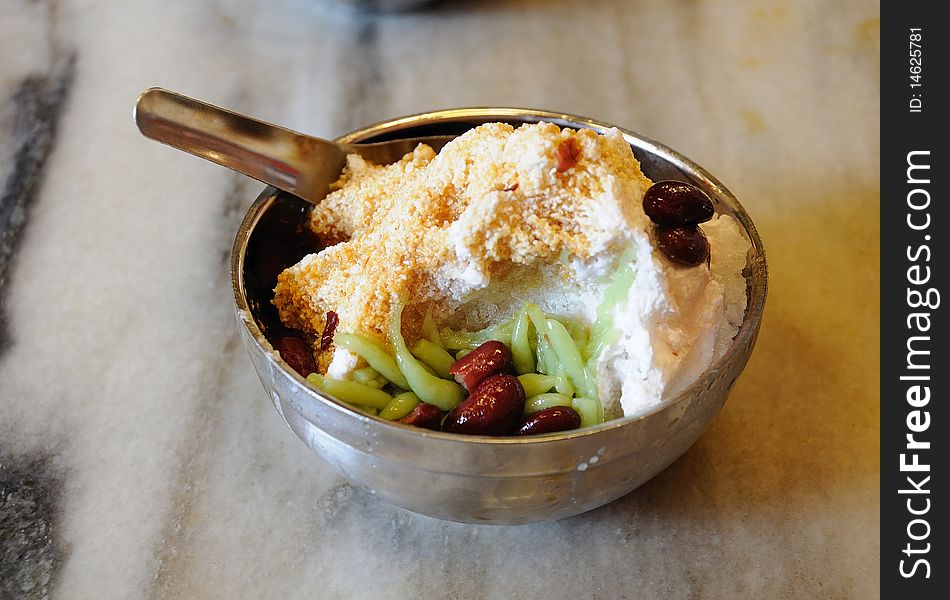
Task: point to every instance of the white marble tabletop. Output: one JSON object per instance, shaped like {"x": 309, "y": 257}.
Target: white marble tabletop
{"x": 139, "y": 455}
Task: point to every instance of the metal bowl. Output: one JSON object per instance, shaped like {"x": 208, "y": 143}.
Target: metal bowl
{"x": 485, "y": 479}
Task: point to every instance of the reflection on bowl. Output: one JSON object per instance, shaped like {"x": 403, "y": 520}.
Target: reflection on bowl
{"x": 480, "y": 479}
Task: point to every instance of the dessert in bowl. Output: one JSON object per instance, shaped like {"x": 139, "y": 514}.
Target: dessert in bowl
{"x": 529, "y": 221}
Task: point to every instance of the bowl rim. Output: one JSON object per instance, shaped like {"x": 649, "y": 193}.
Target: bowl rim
{"x": 757, "y": 282}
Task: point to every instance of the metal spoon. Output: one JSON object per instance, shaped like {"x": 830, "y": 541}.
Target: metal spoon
{"x": 294, "y": 162}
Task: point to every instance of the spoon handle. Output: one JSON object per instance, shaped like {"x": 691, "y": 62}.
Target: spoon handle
{"x": 290, "y": 161}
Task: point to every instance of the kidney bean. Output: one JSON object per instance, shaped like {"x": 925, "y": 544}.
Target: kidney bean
{"x": 326, "y": 340}
{"x": 493, "y": 409}
{"x": 549, "y": 420}
{"x": 298, "y": 354}
{"x": 491, "y": 358}
{"x": 676, "y": 203}
{"x": 684, "y": 245}
{"x": 424, "y": 415}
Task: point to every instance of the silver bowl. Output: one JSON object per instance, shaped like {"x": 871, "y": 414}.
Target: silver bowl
{"x": 494, "y": 480}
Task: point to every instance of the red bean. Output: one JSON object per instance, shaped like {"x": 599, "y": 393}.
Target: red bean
{"x": 298, "y": 354}
{"x": 326, "y": 340}
{"x": 493, "y": 409}
{"x": 676, "y": 203}
{"x": 568, "y": 153}
{"x": 491, "y": 358}
{"x": 549, "y": 420}
{"x": 424, "y": 415}
{"x": 684, "y": 245}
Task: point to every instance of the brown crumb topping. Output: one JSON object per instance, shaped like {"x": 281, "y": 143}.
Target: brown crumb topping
{"x": 429, "y": 228}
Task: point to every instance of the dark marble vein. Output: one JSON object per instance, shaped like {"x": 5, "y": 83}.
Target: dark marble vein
{"x": 30, "y": 554}
{"x": 38, "y": 103}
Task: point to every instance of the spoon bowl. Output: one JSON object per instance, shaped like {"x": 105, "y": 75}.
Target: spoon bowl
{"x": 297, "y": 163}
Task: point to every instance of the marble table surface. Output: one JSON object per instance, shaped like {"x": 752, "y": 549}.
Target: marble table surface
{"x": 139, "y": 455}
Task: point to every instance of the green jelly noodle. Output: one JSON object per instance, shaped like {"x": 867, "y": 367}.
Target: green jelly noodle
{"x": 434, "y": 356}
{"x": 400, "y": 406}
{"x": 365, "y": 374}
{"x": 521, "y": 352}
{"x": 350, "y": 392}
{"x": 542, "y": 401}
{"x": 430, "y": 388}
{"x": 536, "y": 383}
{"x": 373, "y": 353}
{"x": 555, "y": 358}
{"x": 590, "y": 410}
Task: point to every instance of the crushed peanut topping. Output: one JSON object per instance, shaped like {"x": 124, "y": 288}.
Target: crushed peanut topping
{"x": 432, "y": 228}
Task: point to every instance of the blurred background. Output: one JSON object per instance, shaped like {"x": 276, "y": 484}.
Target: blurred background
{"x": 139, "y": 456}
